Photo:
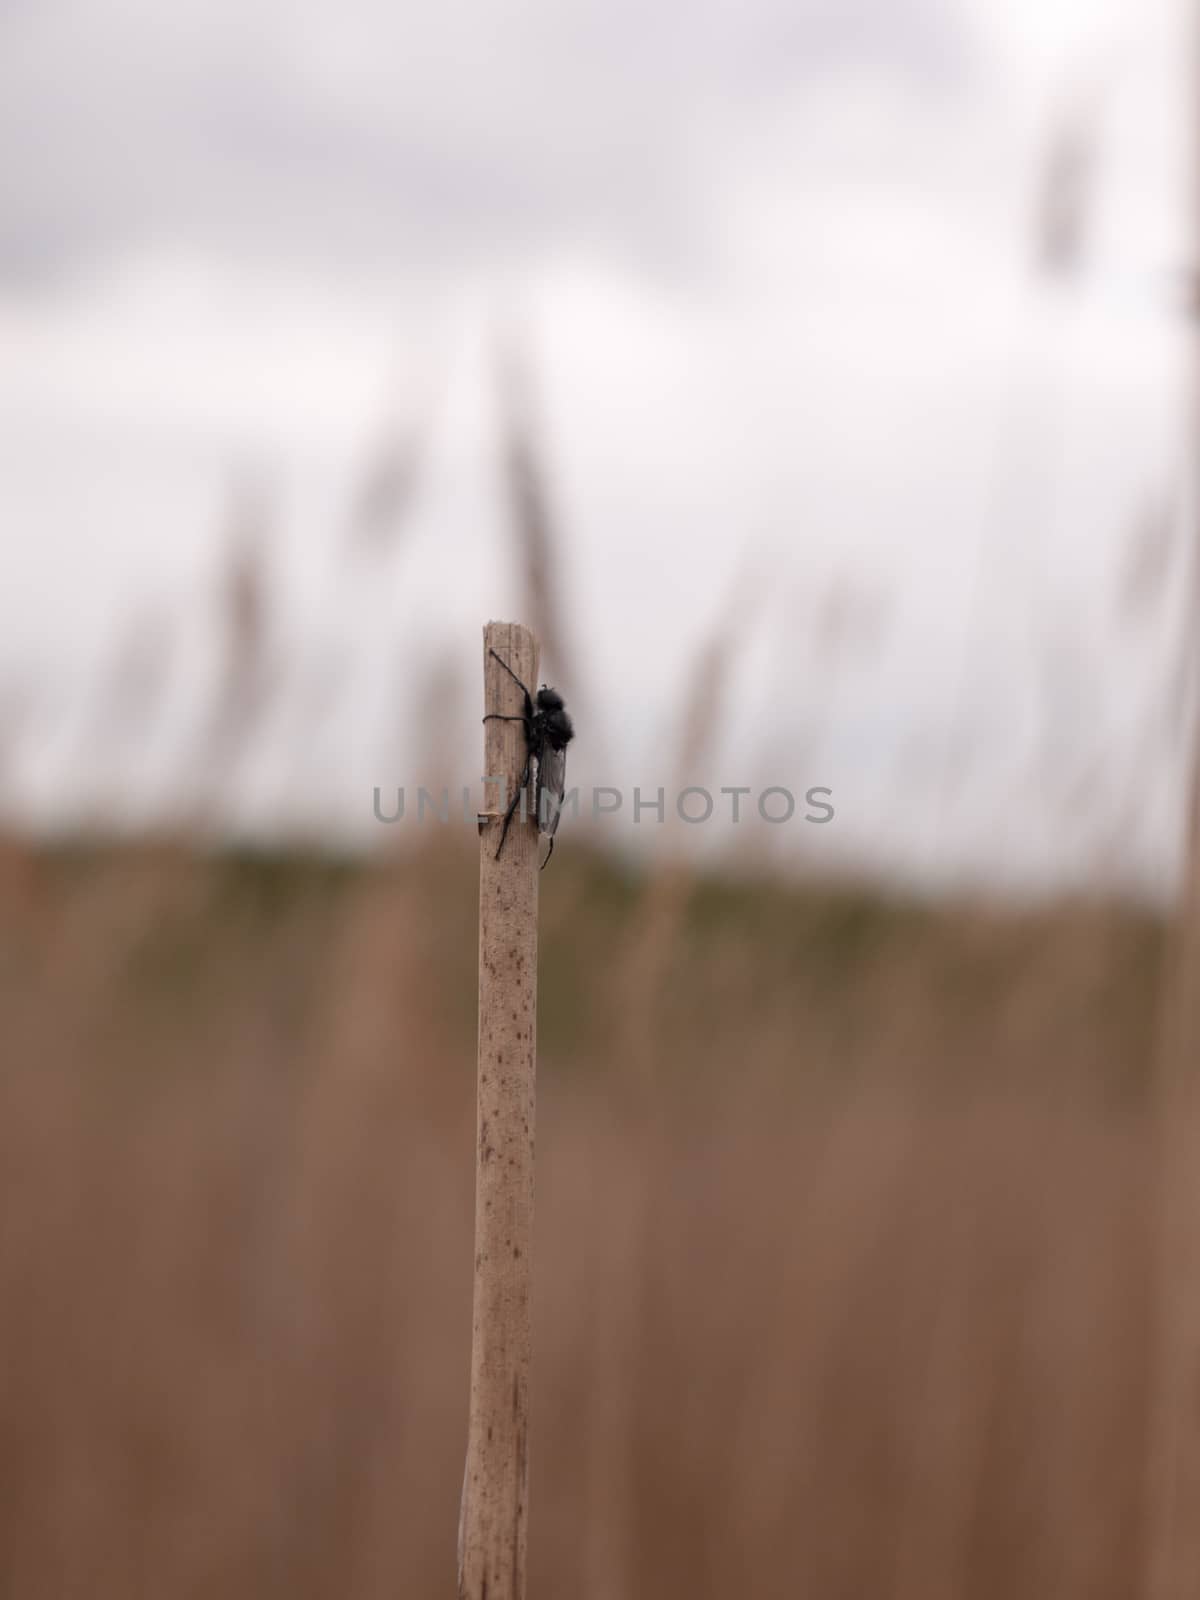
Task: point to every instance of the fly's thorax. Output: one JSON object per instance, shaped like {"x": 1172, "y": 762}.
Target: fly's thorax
{"x": 557, "y": 728}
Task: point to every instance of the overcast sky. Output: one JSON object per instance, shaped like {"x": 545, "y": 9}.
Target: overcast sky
{"x": 776, "y": 264}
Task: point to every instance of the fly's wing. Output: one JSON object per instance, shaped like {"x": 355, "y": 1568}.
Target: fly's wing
{"x": 551, "y": 786}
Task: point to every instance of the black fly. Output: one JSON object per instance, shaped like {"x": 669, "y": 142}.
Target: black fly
{"x": 548, "y": 732}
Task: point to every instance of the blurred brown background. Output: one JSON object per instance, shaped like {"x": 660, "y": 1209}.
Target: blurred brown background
{"x": 843, "y": 1282}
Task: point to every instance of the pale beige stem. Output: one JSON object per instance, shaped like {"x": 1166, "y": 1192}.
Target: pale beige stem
{"x": 494, "y": 1515}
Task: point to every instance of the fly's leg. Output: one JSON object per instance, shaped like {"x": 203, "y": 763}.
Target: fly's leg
{"x": 513, "y": 676}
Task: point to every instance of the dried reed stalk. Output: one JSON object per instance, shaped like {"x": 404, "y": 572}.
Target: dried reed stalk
{"x": 493, "y": 1518}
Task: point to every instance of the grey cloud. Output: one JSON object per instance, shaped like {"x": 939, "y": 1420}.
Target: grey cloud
{"x": 425, "y": 136}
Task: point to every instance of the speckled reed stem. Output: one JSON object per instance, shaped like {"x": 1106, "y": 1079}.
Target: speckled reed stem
{"x": 494, "y": 1515}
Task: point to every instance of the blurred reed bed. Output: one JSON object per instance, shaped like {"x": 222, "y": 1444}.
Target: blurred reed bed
{"x": 866, "y": 1258}
{"x": 843, "y": 1256}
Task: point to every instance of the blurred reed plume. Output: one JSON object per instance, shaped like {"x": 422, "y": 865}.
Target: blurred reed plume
{"x": 244, "y": 600}
{"x": 246, "y": 670}
{"x": 1150, "y": 555}
{"x": 129, "y": 701}
{"x": 537, "y": 538}
{"x": 132, "y": 692}
{"x": 1066, "y": 193}
{"x": 702, "y": 716}
{"x": 649, "y": 949}
{"x": 18, "y": 702}
{"x": 439, "y": 713}
{"x": 389, "y": 484}
{"x": 848, "y": 620}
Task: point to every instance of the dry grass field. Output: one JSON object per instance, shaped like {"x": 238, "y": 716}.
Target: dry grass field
{"x": 843, "y": 1283}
